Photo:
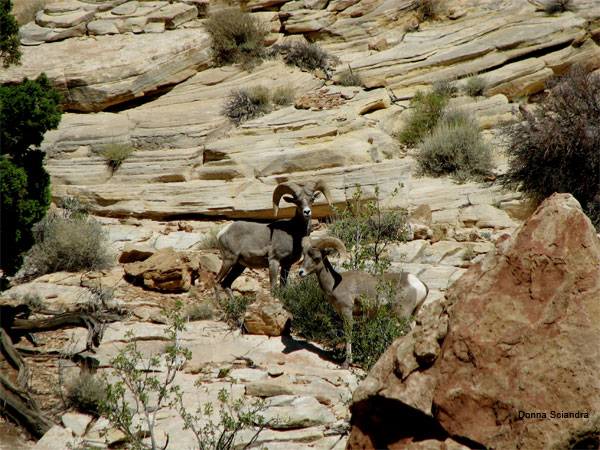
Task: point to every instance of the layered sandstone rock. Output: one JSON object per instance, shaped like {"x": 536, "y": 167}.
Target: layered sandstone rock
{"x": 509, "y": 358}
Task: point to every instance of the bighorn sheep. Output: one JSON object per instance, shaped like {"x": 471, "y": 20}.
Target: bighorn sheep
{"x": 275, "y": 245}
{"x": 346, "y": 291}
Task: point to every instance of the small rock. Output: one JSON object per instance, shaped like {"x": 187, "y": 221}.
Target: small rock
{"x": 77, "y": 422}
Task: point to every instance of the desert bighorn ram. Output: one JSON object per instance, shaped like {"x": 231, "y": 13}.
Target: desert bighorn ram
{"x": 275, "y": 245}
{"x": 346, "y": 291}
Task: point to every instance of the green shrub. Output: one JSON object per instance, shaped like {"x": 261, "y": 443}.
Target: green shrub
{"x": 283, "y": 96}
{"x": 202, "y": 310}
{"x": 9, "y": 36}
{"x": 235, "y": 309}
{"x": 349, "y": 78}
{"x": 247, "y": 103}
{"x": 426, "y": 111}
{"x": 555, "y": 148}
{"x": 115, "y": 154}
{"x": 209, "y": 241}
{"x": 557, "y": 6}
{"x": 67, "y": 241}
{"x": 303, "y": 55}
{"x": 455, "y": 148}
{"x": 87, "y": 393}
{"x": 476, "y": 86}
{"x": 313, "y": 316}
{"x": 237, "y": 37}
{"x": 445, "y": 88}
{"x": 27, "y": 111}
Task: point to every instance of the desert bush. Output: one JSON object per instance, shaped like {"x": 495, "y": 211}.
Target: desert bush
{"x": 87, "y": 393}
{"x": 445, "y": 88}
{"x": 237, "y": 37}
{"x": 366, "y": 229}
{"x": 456, "y": 148}
{"x": 9, "y": 35}
{"x": 429, "y": 9}
{"x": 67, "y": 241}
{"x": 424, "y": 115}
{"x": 306, "y": 56}
{"x": 115, "y": 153}
{"x": 555, "y": 147}
{"x": 313, "y": 315}
{"x": 247, "y": 103}
{"x": 283, "y": 96}
{"x": 349, "y": 78}
{"x": 235, "y": 309}
{"x": 557, "y": 6}
{"x": 476, "y": 86}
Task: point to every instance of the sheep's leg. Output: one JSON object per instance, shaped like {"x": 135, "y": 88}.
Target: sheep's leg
{"x": 348, "y": 323}
{"x": 223, "y": 271}
{"x": 235, "y": 272}
{"x": 273, "y": 271}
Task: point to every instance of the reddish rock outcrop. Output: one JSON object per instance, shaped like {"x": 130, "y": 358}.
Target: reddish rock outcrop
{"x": 517, "y": 364}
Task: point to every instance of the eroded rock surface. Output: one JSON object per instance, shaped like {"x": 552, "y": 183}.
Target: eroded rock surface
{"x": 509, "y": 357}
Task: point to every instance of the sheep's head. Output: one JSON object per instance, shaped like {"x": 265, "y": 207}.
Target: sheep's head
{"x": 315, "y": 252}
{"x": 302, "y": 197}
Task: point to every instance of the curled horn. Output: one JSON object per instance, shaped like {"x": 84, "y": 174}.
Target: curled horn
{"x": 284, "y": 188}
{"x": 331, "y": 242}
{"x": 319, "y": 185}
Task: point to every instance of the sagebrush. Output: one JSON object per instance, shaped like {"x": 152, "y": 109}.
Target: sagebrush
{"x": 426, "y": 109}
{"x": 115, "y": 154}
{"x": 250, "y": 102}
{"x": 555, "y": 147}
{"x": 455, "y": 148}
{"x": 307, "y": 56}
{"x": 237, "y": 37}
{"x": 70, "y": 241}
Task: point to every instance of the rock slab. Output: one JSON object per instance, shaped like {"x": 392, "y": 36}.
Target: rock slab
{"x": 518, "y": 365}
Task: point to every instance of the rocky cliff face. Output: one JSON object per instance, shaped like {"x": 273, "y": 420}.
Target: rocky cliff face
{"x": 190, "y": 161}
{"x": 509, "y": 358}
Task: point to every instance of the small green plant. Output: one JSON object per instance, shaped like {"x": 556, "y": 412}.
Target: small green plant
{"x": 137, "y": 390}
{"x": 349, "y": 78}
{"x": 476, "y": 86}
{"x": 455, "y": 148}
{"x": 445, "y": 88}
{"x": 209, "y": 241}
{"x": 557, "y": 6}
{"x": 426, "y": 110}
{"x": 234, "y": 310}
{"x": 306, "y": 56}
{"x": 135, "y": 377}
{"x": 247, "y": 103}
{"x": 235, "y": 416}
{"x": 554, "y": 148}
{"x": 199, "y": 311}
{"x": 87, "y": 393}
{"x": 367, "y": 230}
{"x": 69, "y": 241}
{"x": 115, "y": 154}
{"x": 283, "y": 96}
{"x": 237, "y": 37}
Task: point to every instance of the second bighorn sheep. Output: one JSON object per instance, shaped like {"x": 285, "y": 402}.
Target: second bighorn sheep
{"x": 276, "y": 245}
{"x": 348, "y": 290}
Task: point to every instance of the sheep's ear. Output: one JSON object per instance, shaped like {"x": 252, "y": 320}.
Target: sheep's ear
{"x": 329, "y": 251}
{"x": 289, "y": 199}
{"x": 316, "y": 195}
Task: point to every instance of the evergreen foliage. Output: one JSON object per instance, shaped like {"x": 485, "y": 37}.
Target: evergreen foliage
{"x": 9, "y": 35}
{"x": 27, "y": 111}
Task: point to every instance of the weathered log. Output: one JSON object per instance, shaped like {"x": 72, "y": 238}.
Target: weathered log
{"x": 22, "y": 409}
